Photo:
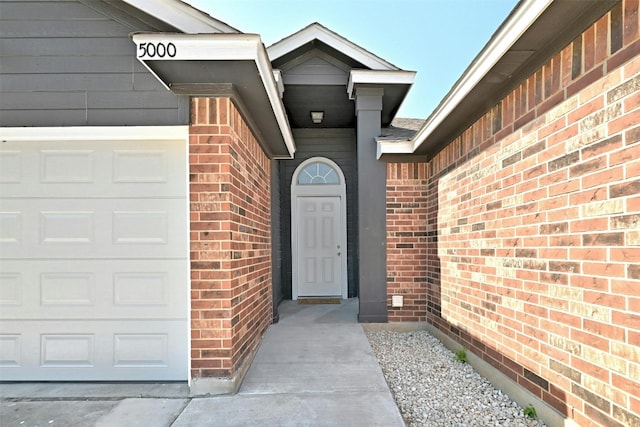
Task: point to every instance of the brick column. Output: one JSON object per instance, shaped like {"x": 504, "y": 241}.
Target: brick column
{"x": 230, "y": 240}
{"x": 407, "y": 236}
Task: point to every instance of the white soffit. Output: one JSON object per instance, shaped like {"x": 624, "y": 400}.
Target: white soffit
{"x": 512, "y": 30}
{"x": 316, "y": 31}
{"x": 379, "y": 77}
{"x": 216, "y": 47}
{"x": 182, "y": 16}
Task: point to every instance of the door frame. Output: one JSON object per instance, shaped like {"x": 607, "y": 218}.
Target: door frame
{"x": 327, "y": 190}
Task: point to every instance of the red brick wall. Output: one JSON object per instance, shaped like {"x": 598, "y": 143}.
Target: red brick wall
{"x": 230, "y": 239}
{"x": 536, "y": 263}
{"x": 407, "y": 240}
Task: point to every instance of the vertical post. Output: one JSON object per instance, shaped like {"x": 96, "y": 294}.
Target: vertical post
{"x": 276, "y": 245}
{"x": 372, "y": 247}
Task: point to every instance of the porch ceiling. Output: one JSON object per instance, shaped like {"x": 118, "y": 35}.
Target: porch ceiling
{"x": 300, "y": 100}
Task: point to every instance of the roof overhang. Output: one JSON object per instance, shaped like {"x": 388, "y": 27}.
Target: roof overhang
{"x": 182, "y": 16}
{"x": 395, "y": 84}
{"x": 533, "y": 32}
{"x": 223, "y": 65}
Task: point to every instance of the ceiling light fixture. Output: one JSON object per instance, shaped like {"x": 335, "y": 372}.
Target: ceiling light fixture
{"x": 317, "y": 116}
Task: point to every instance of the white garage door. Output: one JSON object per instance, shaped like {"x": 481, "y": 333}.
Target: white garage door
{"x": 93, "y": 247}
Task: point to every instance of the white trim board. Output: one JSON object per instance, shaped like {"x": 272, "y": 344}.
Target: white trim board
{"x": 182, "y": 16}
{"x": 378, "y": 77}
{"x": 316, "y": 31}
{"x": 94, "y": 133}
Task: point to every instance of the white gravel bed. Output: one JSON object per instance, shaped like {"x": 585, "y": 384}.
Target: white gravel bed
{"x": 431, "y": 388}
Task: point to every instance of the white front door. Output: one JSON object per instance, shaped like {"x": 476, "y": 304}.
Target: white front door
{"x": 319, "y": 246}
{"x": 318, "y": 230}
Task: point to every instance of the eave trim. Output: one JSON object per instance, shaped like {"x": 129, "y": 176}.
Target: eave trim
{"x": 220, "y": 47}
{"x": 316, "y": 31}
{"x": 182, "y": 16}
{"x": 523, "y": 17}
{"x": 378, "y": 77}
{"x": 393, "y": 147}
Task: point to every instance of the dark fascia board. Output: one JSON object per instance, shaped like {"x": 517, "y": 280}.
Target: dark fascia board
{"x": 549, "y": 30}
{"x": 233, "y": 65}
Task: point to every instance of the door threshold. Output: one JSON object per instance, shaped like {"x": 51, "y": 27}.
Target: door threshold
{"x": 319, "y": 300}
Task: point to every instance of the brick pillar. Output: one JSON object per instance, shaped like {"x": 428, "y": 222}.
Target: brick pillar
{"x": 230, "y": 240}
{"x": 407, "y": 240}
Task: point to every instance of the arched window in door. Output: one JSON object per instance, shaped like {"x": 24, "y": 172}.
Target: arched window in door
{"x": 318, "y": 173}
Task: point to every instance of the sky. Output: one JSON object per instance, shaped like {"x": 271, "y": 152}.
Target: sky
{"x": 436, "y": 38}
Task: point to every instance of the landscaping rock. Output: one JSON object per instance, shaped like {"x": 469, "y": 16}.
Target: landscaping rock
{"x": 431, "y": 388}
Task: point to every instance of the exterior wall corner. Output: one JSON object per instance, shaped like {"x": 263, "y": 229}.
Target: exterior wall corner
{"x": 230, "y": 239}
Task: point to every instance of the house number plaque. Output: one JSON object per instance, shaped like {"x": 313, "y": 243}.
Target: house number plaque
{"x": 157, "y": 50}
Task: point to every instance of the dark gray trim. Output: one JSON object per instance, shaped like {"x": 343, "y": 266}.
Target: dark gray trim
{"x": 373, "y": 318}
{"x": 276, "y": 240}
{"x": 372, "y": 221}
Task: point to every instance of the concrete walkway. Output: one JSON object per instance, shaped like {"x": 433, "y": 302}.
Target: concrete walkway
{"x": 314, "y": 368}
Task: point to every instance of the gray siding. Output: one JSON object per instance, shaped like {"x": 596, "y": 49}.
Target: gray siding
{"x": 72, "y": 63}
{"x": 338, "y": 145}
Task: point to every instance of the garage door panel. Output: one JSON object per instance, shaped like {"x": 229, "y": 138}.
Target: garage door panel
{"x": 67, "y": 166}
{"x": 94, "y": 277}
{"x": 10, "y": 287}
{"x": 97, "y": 351}
{"x": 10, "y": 167}
{"x": 92, "y": 289}
{"x": 11, "y": 229}
{"x": 108, "y": 168}
{"x": 93, "y": 228}
{"x": 11, "y": 350}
